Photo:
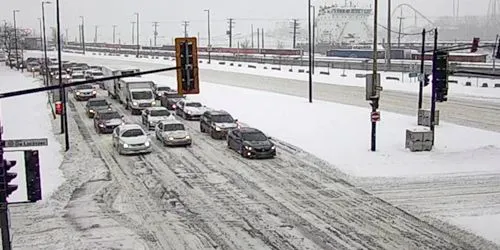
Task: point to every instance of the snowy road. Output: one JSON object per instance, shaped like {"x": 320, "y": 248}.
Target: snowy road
{"x": 207, "y": 197}
{"x": 463, "y": 111}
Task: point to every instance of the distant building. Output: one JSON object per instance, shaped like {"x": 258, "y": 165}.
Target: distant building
{"x": 32, "y": 43}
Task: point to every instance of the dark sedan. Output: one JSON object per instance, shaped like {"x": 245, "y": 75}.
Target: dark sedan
{"x": 169, "y": 100}
{"x": 105, "y": 121}
{"x": 251, "y": 143}
{"x": 94, "y": 105}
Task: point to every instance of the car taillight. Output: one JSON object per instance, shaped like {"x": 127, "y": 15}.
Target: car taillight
{"x": 173, "y": 106}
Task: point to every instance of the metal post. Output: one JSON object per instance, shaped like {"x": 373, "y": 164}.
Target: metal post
{"x": 114, "y": 33}
{"x": 433, "y": 94}
{"x": 133, "y": 34}
{"x": 422, "y": 72}
{"x": 494, "y": 53}
{"x": 310, "y": 50}
{"x": 251, "y": 27}
{"x": 138, "y": 44}
{"x": 313, "y": 39}
{"x": 45, "y": 45}
{"x": 83, "y": 34}
{"x": 41, "y": 49}
{"x": 15, "y": 39}
{"x": 4, "y": 217}
{"x": 209, "y": 45}
{"x": 375, "y": 101}
{"x": 64, "y": 120}
{"x": 389, "y": 46}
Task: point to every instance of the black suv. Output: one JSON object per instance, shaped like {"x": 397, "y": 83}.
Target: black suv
{"x": 251, "y": 143}
{"x": 105, "y": 121}
{"x": 170, "y": 99}
{"x": 217, "y": 123}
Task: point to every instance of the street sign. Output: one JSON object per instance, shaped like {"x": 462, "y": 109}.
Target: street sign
{"x": 375, "y": 116}
{"x": 17, "y": 143}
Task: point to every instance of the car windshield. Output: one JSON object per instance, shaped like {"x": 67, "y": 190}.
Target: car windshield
{"x": 222, "y": 118}
{"x": 163, "y": 88}
{"x": 173, "y": 127}
{"x": 254, "y": 136}
{"x": 160, "y": 112}
{"x": 133, "y": 133}
{"x": 98, "y": 103}
{"x": 142, "y": 95}
{"x": 194, "y": 104}
{"x": 110, "y": 115}
{"x": 77, "y": 77}
{"x": 85, "y": 86}
{"x": 97, "y": 74}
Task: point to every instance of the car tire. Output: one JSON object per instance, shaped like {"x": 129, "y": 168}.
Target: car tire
{"x": 212, "y": 134}
{"x": 202, "y": 129}
{"x": 184, "y": 116}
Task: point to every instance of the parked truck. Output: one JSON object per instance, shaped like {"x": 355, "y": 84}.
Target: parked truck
{"x": 112, "y": 85}
{"x": 136, "y": 93}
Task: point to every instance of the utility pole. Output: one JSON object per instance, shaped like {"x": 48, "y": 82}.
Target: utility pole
{"x": 258, "y": 38}
{"x": 400, "y": 27}
{"x": 375, "y": 100}
{"x": 230, "y": 31}
{"x": 185, "y": 24}
{"x": 64, "y": 116}
{"x": 262, "y": 30}
{"x": 45, "y": 75}
{"x": 95, "y": 35}
{"x": 15, "y": 39}
{"x": 83, "y": 34}
{"x": 313, "y": 39}
{"x": 310, "y": 48}
{"x": 67, "y": 35}
{"x": 252, "y": 34}
{"x": 155, "y": 34}
{"x": 4, "y": 215}
{"x": 389, "y": 24}
{"x": 422, "y": 73}
{"x": 209, "y": 45}
{"x": 133, "y": 30}
{"x": 295, "y": 28}
{"x": 138, "y": 34}
{"x": 41, "y": 39}
{"x": 114, "y": 33}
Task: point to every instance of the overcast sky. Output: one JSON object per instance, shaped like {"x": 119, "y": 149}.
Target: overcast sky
{"x": 170, "y": 14}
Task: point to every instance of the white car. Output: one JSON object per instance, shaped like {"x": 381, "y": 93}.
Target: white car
{"x": 77, "y": 77}
{"x": 172, "y": 133}
{"x": 151, "y": 116}
{"x": 131, "y": 139}
{"x": 190, "y": 110}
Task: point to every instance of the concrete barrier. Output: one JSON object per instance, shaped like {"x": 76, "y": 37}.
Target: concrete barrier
{"x": 239, "y": 65}
{"x": 265, "y": 67}
{"x": 165, "y": 58}
{"x": 222, "y": 63}
{"x": 324, "y": 73}
{"x": 275, "y": 68}
{"x": 484, "y": 85}
{"x": 231, "y": 64}
{"x": 360, "y": 75}
{"x": 497, "y": 85}
{"x": 468, "y": 84}
{"x": 301, "y": 71}
{"x": 290, "y": 70}
{"x": 453, "y": 81}
{"x": 252, "y": 66}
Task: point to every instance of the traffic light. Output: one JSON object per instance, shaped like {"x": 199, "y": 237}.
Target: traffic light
{"x": 186, "y": 51}
{"x": 33, "y": 184}
{"x": 475, "y": 44}
{"x": 440, "y": 75}
{"x": 6, "y": 177}
{"x": 426, "y": 80}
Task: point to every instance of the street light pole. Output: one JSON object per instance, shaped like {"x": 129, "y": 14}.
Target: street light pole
{"x": 209, "y": 46}
{"x": 83, "y": 34}
{"x": 45, "y": 44}
{"x": 375, "y": 101}
{"x": 15, "y": 39}
{"x": 310, "y": 50}
{"x": 138, "y": 45}
{"x": 64, "y": 116}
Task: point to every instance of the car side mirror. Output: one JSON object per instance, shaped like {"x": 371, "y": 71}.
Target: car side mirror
{"x": 235, "y": 120}
{"x": 122, "y": 116}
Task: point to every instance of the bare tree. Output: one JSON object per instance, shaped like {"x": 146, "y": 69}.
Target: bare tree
{"x": 245, "y": 44}
{"x": 280, "y": 45}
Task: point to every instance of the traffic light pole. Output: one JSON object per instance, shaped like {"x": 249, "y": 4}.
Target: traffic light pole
{"x": 433, "y": 94}
{"x": 422, "y": 73}
{"x": 4, "y": 217}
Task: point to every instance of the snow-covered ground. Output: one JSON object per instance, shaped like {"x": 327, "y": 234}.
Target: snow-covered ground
{"x": 404, "y": 84}
{"x": 26, "y": 117}
{"x": 340, "y": 135}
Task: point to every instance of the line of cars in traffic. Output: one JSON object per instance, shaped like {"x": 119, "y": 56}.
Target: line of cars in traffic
{"x": 159, "y": 106}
